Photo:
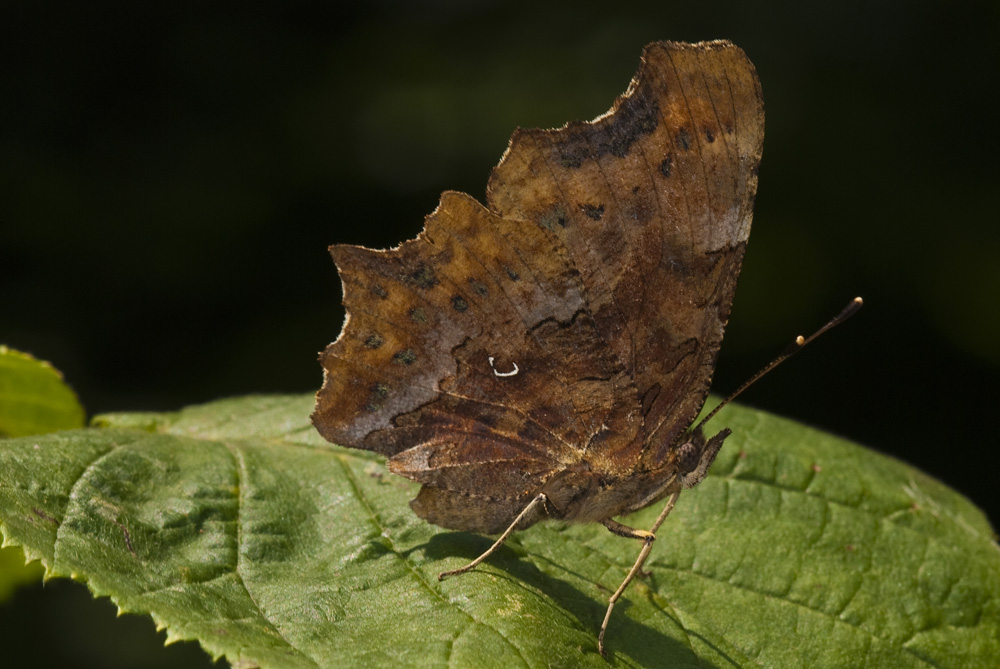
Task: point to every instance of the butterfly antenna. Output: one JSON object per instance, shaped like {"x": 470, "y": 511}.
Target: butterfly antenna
{"x": 793, "y": 348}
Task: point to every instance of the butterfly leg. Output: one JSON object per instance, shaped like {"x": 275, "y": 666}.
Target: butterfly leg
{"x": 647, "y": 538}
{"x": 540, "y": 498}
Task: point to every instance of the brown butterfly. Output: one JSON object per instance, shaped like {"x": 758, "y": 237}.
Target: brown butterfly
{"x": 545, "y": 356}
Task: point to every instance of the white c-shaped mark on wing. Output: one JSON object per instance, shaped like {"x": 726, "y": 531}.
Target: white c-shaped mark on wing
{"x": 502, "y": 374}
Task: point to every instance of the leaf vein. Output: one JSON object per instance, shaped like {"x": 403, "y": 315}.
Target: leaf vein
{"x": 241, "y": 478}
{"x": 866, "y": 634}
{"x": 411, "y": 568}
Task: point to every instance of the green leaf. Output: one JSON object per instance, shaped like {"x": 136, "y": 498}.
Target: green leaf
{"x": 233, "y": 523}
{"x": 34, "y": 399}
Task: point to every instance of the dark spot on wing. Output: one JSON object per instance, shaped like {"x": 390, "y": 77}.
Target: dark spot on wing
{"x": 614, "y": 135}
{"x": 555, "y": 217}
{"x": 684, "y": 139}
{"x": 593, "y": 211}
{"x": 666, "y": 165}
{"x": 376, "y": 397}
{"x": 478, "y": 287}
{"x": 405, "y": 357}
{"x": 422, "y": 275}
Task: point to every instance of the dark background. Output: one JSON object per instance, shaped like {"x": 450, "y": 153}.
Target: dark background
{"x": 171, "y": 175}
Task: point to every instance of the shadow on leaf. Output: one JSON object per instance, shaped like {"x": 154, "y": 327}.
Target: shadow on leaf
{"x": 642, "y": 643}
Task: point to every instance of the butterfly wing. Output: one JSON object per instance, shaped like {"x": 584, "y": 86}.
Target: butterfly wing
{"x": 577, "y": 316}
{"x": 652, "y": 203}
{"x": 424, "y": 368}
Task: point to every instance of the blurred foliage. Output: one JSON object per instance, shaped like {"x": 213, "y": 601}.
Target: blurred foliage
{"x": 13, "y": 571}
{"x": 34, "y": 398}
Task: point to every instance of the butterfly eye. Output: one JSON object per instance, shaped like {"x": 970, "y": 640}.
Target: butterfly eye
{"x": 688, "y": 457}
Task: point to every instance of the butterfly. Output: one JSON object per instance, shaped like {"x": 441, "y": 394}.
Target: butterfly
{"x": 544, "y": 355}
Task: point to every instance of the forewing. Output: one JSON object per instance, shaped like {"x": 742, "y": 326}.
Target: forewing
{"x": 652, "y": 203}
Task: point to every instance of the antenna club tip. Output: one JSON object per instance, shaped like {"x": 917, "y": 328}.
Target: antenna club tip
{"x": 858, "y": 301}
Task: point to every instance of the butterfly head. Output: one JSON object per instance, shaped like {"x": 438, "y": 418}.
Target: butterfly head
{"x": 696, "y": 454}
